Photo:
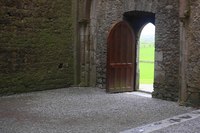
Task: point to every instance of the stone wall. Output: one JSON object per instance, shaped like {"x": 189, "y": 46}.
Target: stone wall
{"x": 36, "y": 44}
{"x": 166, "y": 85}
{"x": 109, "y": 13}
{"x": 36, "y": 50}
{"x": 107, "y": 16}
{"x": 192, "y": 26}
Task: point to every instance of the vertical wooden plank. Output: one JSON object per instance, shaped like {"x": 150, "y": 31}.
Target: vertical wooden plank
{"x": 120, "y": 58}
{"x": 123, "y": 56}
{"x": 121, "y": 30}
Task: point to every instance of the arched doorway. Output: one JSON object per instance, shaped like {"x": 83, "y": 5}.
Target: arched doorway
{"x": 146, "y": 52}
{"x": 121, "y": 58}
{"x": 117, "y": 81}
{"x": 137, "y": 20}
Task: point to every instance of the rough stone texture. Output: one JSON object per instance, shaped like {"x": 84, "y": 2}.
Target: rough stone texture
{"x": 166, "y": 83}
{"x": 35, "y": 45}
{"x": 109, "y": 13}
{"x": 107, "y": 16}
{"x": 193, "y": 39}
{"x": 36, "y": 50}
{"x": 167, "y": 41}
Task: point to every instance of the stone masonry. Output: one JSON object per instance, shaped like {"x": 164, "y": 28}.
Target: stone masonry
{"x": 192, "y": 26}
{"x": 36, "y": 50}
{"x": 166, "y": 82}
{"x": 58, "y": 43}
{"x": 108, "y": 16}
{"x": 167, "y": 41}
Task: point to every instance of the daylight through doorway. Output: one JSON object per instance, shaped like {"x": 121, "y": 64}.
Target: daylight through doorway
{"x": 146, "y": 58}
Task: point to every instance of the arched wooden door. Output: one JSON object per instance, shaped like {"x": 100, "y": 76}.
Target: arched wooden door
{"x": 121, "y": 58}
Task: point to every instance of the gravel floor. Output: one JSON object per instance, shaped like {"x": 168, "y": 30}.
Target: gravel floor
{"x": 81, "y": 110}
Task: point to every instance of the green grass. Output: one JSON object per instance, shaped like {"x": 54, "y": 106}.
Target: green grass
{"x": 146, "y": 68}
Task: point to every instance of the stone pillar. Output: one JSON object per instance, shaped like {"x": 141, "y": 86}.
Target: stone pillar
{"x": 183, "y": 65}
{"x": 183, "y": 15}
{"x": 84, "y": 41}
{"x": 84, "y": 51}
{"x": 167, "y": 51}
{"x": 93, "y": 41}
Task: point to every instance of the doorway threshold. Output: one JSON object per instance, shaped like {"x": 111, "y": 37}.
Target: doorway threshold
{"x": 143, "y": 91}
{"x": 143, "y": 94}
{"x": 147, "y": 88}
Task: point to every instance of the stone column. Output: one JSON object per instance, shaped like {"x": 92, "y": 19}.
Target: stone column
{"x": 84, "y": 51}
{"x": 167, "y": 51}
{"x": 84, "y": 41}
{"x": 93, "y": 41}
{"x": 183, "y": 15}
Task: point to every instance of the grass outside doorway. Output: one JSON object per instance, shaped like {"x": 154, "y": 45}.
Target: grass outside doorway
{"x": 146, "y": 64}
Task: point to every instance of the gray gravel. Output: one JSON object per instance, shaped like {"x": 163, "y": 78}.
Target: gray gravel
{"x": 81, "y": 110}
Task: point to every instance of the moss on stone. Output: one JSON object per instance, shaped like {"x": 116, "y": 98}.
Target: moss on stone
{"x": 36, "y": 37}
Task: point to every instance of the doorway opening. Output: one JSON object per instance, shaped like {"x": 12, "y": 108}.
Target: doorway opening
{"x": 123, "y": 52}
{"x": 146, "y": 52}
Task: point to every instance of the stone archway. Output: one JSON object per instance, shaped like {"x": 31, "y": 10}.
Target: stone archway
{"x": 93, "y": 21}
{"x": 166, "y": 83}
{"x": 92, "y": 31}
{"x": 137, "y": 19}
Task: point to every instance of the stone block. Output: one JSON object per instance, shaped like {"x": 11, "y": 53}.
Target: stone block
{"x": 159, "y": 56}
{"x": 159, "y": 76}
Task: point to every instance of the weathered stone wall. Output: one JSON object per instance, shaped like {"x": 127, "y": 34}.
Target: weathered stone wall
{"x": 109, "y": 13}
{"x": 192, "y": 26}
{"x": 166, "y": 84}
{"x": 36, "y": 50}
{"x": 167, "y": 41}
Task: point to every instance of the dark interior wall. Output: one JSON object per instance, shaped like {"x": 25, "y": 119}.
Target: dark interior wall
{"x": 36, "y": 51}
{"x": 138, "y": 19}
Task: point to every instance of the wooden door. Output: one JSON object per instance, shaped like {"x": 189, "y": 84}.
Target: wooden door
{"x": 121, "y": 58}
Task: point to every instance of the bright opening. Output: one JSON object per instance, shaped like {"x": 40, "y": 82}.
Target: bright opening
{"x": 146, "y": 58}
